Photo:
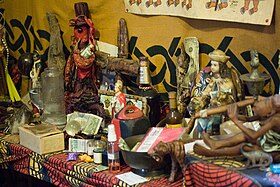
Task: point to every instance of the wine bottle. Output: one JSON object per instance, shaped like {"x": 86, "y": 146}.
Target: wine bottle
{"x": 174, "y": 118}
{"x": 149, "y": 92}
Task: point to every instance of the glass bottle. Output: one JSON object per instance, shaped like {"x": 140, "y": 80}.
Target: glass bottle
{"x": 174, "y": 118}
{"x": 53, "y": 97}
{"x": 113, "y": 150}
{"x": 99, "y": 147}
{"x": 146, "y": 90}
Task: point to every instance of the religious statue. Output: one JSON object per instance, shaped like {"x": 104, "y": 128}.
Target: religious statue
{"x": 119, "y": 100}
{"x": 265, "y": 135}
{"x": 216, "y": 87}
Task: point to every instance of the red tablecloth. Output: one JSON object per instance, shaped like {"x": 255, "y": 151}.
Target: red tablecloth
{"x": 55, "y": 168}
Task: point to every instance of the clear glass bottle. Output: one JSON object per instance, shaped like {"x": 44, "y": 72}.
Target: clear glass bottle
{"x": 99, "y": 147}
{"x": 174, "y": 118}
{"x": 53, "y": 97}
{"x": 113, "y": 150}
{"x": 146, "y": 90}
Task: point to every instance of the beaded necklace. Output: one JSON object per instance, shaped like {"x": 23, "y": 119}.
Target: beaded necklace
{"x": 2, "y": 31}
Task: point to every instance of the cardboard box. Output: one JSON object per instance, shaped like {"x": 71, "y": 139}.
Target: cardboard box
{"x": 42, "y": 143}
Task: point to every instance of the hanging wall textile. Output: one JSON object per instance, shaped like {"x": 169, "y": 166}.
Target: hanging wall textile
{"x": 245, "y": 11}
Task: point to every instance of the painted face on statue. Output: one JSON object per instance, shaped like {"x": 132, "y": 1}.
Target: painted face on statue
{"x": 117, "y": 88}
{"x": 215, "y": 67}
{"x": 82, "y": 32}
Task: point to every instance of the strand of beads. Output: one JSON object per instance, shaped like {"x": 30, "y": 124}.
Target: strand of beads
{"x": 7, "y": 53}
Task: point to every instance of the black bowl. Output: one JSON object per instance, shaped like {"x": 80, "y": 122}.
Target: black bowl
{"x": 141, "y": 162}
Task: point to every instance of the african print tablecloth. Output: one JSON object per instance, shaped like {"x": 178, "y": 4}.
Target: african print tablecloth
{"x": 55, "y": 168}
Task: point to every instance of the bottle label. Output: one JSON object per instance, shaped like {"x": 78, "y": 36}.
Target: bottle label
{"x": 113, "y": 156}
{"x": 90, "y": 151}
{"x": 97, "y": 158}
{"x": 176, "y": 125}
{"x": 144, "y": 78}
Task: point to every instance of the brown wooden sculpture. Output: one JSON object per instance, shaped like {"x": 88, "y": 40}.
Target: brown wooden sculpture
{"x": 81, "y": 73}
{"x": 56, "y": 56}
{"x": 267, "y": 110}
{"x": 176, "y": 151}
{"x": 123, "y": 39}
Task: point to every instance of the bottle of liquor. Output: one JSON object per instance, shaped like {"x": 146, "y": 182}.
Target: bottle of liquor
{"x": 113, "y": 150}
{"x": 174, "y": 118}
{"x": 146, "y": 90}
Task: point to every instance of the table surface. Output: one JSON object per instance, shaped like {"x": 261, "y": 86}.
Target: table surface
{"x": 56, "y": 169}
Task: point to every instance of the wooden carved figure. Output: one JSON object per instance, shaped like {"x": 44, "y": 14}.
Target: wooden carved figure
{"x": 177, "y": 153}
{"x": 81, "y": 89}
{"x": 265, "y": 135}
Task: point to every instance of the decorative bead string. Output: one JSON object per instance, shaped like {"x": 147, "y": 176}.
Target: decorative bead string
{"x": 8, "y": 53}
{"x": 4, "y": 41}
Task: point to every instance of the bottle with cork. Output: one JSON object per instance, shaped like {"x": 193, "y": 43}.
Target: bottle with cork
{"x": 174, "y": 118}
{"x": 113, "y": 150}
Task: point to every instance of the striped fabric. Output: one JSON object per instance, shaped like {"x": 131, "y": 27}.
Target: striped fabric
{"x": 55, "y": 169}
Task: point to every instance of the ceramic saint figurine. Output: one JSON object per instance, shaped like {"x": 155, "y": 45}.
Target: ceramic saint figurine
{"x": 119, "y": 100}
{"x": 265, "y": 135}
{"x": 216, "y": 88}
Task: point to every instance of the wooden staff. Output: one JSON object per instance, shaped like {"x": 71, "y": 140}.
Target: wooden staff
{"x": 222, "y": 109}
{"x": 207, "y": 112}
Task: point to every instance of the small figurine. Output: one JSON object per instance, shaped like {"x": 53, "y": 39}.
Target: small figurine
{"x": 119, "y": 100}
{"x": 35, "y": 93}
{"x": 177, "y": 153}
{"x": 256, "y": 158}
{"x": 266, "y": 134}
{"x": 36, "y": 69}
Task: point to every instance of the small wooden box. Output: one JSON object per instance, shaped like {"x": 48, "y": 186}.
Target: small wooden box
{"x": 42, "y": 143}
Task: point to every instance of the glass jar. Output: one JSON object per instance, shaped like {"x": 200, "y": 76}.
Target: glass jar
{"x": 53, "y": 97}
{"x": 99, "y": 147}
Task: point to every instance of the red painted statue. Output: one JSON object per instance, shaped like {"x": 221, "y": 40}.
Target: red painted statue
{"x": 81, "y": 93}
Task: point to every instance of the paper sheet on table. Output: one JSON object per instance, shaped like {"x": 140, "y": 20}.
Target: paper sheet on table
{"x": 189, "y": 146}
{"x": 131, "y": 178}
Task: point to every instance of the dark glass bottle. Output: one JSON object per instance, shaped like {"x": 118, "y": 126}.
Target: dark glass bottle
{"x": 174, "y": 118}
{"x": 146, "y": 90}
